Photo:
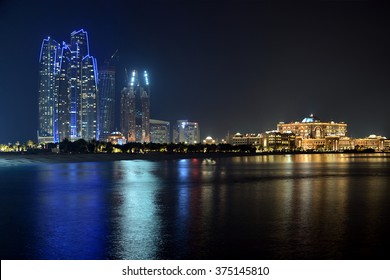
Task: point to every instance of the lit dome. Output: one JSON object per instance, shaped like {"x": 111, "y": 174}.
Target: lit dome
{"x": 310, "y": 119}
{"x": 116, "y": 133}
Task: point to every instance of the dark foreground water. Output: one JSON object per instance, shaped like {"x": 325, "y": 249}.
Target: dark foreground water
{"x": 260, "y": 207}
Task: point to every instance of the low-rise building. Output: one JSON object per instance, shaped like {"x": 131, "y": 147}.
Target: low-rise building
{"x": 268, "y": 141}
{"x": 371, "y": 142}
{"x": 310, "y": 134}
{"x": 313, "y": 128}
{"x": 209, "y": 140}
{"x": 116, "y": 138}
{"x": 245, "y": 139}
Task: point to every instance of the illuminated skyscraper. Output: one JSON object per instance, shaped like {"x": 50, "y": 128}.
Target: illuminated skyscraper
{"x": 49, "y": 61}
{"x": 71, "y": 86}
{"x": 135, "y": 109}
{"x": 106, "y": 101}
{"x": 82, "y": 84}
{"x": 128, "y": 109}
{"x": 63, "y": 94}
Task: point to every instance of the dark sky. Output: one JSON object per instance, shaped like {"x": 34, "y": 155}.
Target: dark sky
{"x": 231, "y": 66}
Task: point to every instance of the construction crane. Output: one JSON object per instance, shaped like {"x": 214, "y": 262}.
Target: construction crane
{"x": 108, "y": 61}
{"x": 114, "y": 54}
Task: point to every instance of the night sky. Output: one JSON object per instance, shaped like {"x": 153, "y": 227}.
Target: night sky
{"x": 231, "y": 66}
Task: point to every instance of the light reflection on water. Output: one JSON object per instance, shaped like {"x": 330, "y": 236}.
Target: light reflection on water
{"x": 260, "y": 207}
{"x": 68, "y": 212}
{"x": 136, "y": 220}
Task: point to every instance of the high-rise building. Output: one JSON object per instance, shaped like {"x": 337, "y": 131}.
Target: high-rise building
{"x": 63, "y": 94}
{"x": 83, "y": 88}
{"x": 49, "y": 61}
{"x": 135, "y": 108}
{"x": 187, "y": 132}
{"x": 106, "y": 101}
{"x": 160, "y": 131}
{"x": 70, "y": 84}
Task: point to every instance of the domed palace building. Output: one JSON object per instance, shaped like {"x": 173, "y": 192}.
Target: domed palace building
{"x": 313, "y": 134}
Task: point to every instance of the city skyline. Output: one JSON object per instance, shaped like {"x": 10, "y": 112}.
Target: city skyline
{"x": 230, "y": 66}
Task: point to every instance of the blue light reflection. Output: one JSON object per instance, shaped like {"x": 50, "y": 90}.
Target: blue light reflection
{"x": 70, "y": 212}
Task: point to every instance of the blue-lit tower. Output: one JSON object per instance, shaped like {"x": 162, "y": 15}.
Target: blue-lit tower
{"x": 63, "y": 94}
{"x": 49, "y": 63}
{"x": 71, "y": 75}
{"x": 77, "y": 90}
{"x": 83, "y": 88}
{"x": 106, "y": 100}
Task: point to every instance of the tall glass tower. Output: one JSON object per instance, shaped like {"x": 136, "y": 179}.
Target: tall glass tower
{"x": 135, "y": 108}
{"x": 106, "y": 101}
{"x": 145, "y": 108}
{"x": 49, "y": 62}
{"x": 69, "y": 82}
{"x": 82, "y": 77}
{"x": 63, "y": 94}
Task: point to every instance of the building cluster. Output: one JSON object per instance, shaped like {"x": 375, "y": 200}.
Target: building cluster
{"x": 67, "y": 90}
{"x": 160, "y": 132}
{"x": 310, "y": 134}
{"x": 76, "y": 101}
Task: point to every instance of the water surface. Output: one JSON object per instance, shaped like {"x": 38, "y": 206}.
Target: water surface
{"x": 330, "y": 206}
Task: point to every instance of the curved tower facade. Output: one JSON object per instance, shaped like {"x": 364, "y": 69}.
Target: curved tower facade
{"x": 73, "y": 90}
{"x": 49, "y": 66}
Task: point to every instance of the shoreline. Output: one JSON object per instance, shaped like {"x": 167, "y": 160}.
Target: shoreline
{"x": 101, "y": 157}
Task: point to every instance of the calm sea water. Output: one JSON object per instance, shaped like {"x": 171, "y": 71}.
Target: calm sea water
{"x": 258, "y": 207}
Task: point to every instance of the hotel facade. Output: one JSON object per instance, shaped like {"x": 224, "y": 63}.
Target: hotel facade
{"x": 313, "y": 134}
{"x": 310, "y": 134}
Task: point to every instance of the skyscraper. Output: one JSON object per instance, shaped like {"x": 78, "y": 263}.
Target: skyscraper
{"x": 49, "y": 61}
{"x": 72, "y": 88}
{"x": 135, "y": 108}
{"x": 82, "y": 76}
{"x": 63, "y": 94}
{"x": 106, "y": 101}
